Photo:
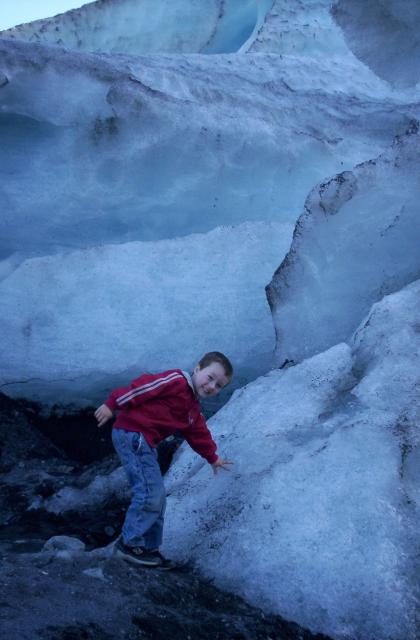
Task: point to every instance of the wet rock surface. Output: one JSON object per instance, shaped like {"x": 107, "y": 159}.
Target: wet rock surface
{"x": 89, "y": 595}
{"x": 42, "y": 456}
{"x": 61, "y": 580}
{"x": 32, "y": 469}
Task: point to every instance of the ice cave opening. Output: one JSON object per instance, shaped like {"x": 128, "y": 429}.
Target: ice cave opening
{"x": 238, "y": 23}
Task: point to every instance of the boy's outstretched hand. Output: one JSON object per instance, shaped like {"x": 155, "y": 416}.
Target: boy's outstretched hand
{"x": 103, "y": 414}
{"x": 221, "y": 464}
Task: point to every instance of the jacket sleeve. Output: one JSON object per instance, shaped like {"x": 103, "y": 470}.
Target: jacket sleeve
{"x": 143, "y": 389}
{"x": 199, "y": 438}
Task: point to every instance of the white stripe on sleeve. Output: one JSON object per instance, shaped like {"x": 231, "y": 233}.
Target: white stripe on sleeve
{"x": 145, "y": 388}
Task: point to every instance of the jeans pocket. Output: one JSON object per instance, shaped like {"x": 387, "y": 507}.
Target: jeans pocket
{"x": 136, "y": 442}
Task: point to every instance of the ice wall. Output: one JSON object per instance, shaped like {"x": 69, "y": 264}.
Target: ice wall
{"x": 82, "y": 322}
{"x": 357, "y": 240}
{"x": 299, "y": 28}
{"x": 100, "y": 149}
{"x": 319, "y": 518}
{"x": 385, "y": 35}
{"x": 147, "y": 26}
{"x": 115, "y": 149}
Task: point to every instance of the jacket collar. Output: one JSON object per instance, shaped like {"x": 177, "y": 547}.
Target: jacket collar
{"x": 189, "y": 380}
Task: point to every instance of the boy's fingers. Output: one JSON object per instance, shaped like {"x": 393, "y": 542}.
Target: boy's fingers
{"x": 221, "y": 465}
{"x": 101, "y": 416}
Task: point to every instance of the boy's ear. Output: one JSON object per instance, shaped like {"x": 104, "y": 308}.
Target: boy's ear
{"x": 197, "y": 369}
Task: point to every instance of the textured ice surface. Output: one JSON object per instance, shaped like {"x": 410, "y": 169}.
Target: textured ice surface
{"x": 300, "y": 28}
{"x": 150, "y": 26}
{"x": 100, "y": 149}
{"x": 75, "y": 321}
{"x": 385, "y": 35}
{"x": 357, "y": 240}
{"x": 318, "y": 520}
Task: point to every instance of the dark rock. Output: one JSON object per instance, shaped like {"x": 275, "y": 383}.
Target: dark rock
{"x": 98, "y": 597}
{"x": 77, "y": 434}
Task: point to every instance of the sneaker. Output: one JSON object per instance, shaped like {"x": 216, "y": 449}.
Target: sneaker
{"x": 165, "y": 563}
{"x": 138, "y": 555}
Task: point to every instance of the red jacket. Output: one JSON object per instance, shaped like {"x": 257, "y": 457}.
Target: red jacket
{"x": 158, "y": 405}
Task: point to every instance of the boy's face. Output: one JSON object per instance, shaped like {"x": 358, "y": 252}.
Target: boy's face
{"x": 209, "y": 380}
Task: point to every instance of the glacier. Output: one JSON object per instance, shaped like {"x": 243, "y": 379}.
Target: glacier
{"x": 384, "y": 35}
{"x": 357, "y": 240}
{"x": 169, "y": 26}
{"x": 155, "y": 160}
{"x": 72, "y": 336}
{"x": 319, "y": 517}
{"x": 146, "y": 148}
{"x": 112, "y": 149}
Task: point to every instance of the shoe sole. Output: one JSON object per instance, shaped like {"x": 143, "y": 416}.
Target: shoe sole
{"x": 168, "y": 567}
{"x": 141, "y": 563}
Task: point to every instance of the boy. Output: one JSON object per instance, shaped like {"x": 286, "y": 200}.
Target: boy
{"x": 150, "y": 409}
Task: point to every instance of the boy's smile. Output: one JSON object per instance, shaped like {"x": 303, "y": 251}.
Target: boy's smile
{"x": 209, "y": 380}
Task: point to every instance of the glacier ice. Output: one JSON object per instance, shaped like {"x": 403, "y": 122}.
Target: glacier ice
{"x": 357, "y": 240}
{"x": 147, "y": 26}
{"x": 304, "y": 29}
{"x": 80, "y": 322}
{"x": 318, "y": 520}
{"x": 100, "y": 148}
{"x": 97, "y": 492}
{"x": 107, "y": 159}
{"x": 384, "y": 35}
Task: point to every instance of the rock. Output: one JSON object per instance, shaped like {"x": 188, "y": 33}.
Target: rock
{"x": 70, "y": 545}
{"x": 103, "y": 600}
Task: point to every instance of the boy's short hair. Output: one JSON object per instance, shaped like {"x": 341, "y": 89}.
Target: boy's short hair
{"x": 216, "y": 356}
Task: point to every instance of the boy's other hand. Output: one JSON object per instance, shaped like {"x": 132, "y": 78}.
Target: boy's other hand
{"x": 103, "y": 414}
{"x": 221, "y": 464}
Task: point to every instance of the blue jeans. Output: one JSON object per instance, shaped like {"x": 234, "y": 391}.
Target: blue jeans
{"x": 143, "y": 523}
